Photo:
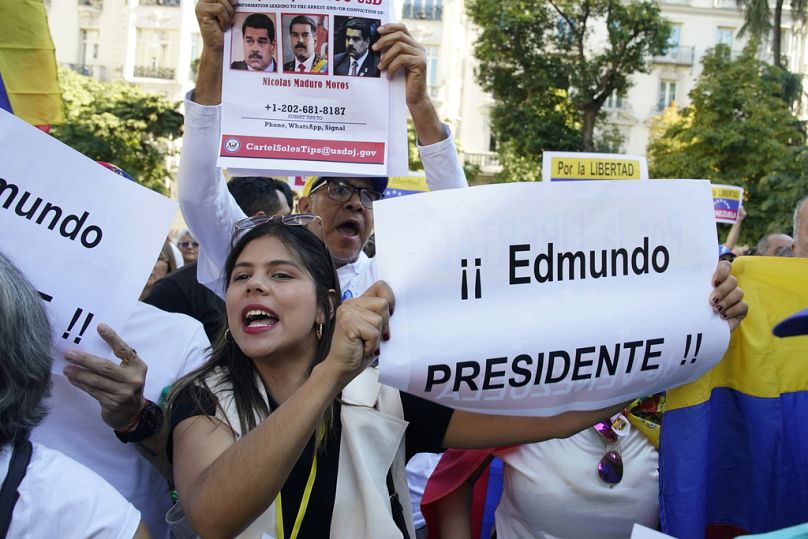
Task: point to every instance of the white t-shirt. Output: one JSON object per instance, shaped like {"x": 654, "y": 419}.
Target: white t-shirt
{"x": 171, "y": 344}
{"x": 551, "y": 490}
{"x": 419, "y": 469}
{"x": 61, "y": 498}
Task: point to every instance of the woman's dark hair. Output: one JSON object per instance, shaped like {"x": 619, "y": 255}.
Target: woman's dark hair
{"x": 25, "y": 355}
{"x": 239, "y": 371}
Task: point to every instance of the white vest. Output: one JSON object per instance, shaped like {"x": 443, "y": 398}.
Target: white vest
{"x": 371, "y": 443}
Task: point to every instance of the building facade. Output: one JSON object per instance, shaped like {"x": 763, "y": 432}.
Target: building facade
{"x": 698, "y": 25}
{"x": 149, "y": 42}
{"x": 154, "y": 43}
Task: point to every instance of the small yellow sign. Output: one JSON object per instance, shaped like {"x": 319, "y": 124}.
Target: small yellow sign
{"x": 589, "y": 168}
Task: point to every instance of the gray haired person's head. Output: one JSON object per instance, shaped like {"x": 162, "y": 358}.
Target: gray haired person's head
{"x": 25, "y": 355}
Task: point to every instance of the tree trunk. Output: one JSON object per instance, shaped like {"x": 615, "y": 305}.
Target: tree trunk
{"x": 588, "y": 130}
{"x": 777, "y": 33}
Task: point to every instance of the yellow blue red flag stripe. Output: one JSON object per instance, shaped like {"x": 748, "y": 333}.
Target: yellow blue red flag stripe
{"x": 734, "y": 446}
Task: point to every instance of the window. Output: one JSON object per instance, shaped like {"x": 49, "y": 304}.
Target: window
{"x": 565, "y": 33}
{"x": 423, "y": 9}
{"x": 614, "y": 101}
{"x": 673, "y": 40}
{"x": 155, "y": 54}
{"x": 88, "y": 47}
{"x": 667, "y": 93}
{"x": 724, "y": 36}
{"x": 196, "y": 45}
{"x": 785, "y": 39}
{"x": 432, "y": 67}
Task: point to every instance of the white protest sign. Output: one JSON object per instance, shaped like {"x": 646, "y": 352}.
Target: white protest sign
{"x": 85, "y": 237}
{"x": 638, "y": 531}
{"x": 578, "y": 166}
{"x": 537, "y": 298}
{"x": 313, "y": 101}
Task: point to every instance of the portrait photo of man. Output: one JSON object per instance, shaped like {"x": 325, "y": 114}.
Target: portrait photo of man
{"x": 356, "y": 59}
{"x": 307, "y": 44}
{"x": 258, "y": 41}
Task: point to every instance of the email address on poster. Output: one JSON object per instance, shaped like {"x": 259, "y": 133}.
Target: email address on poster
{"x": 302, "y": 149}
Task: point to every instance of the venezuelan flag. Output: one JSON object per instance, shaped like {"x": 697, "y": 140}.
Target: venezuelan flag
{"x": 734, "y": 446}
{"x": 405, "y": 185}
{"x": 29, "y": 85}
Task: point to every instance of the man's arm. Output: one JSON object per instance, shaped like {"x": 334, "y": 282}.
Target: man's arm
{"x": 435, "y": 143}
{"x": 735, "y": 231}
{"x": 207, "y": 206}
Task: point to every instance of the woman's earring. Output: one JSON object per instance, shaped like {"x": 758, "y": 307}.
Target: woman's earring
{"x": 319, "y": 331}
{"x": 227, "y": 337}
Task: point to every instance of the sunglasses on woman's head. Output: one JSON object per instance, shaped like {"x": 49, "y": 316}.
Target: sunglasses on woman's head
{"x": 312, "y": 223}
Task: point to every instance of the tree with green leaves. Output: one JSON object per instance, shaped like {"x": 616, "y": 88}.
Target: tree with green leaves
{"x": 551, "y": 65}
{"x": 738, "y": 130}
{"x": 119, "y": 123}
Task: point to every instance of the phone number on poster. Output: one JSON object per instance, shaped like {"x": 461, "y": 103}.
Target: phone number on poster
{"x": 306, "y": 109}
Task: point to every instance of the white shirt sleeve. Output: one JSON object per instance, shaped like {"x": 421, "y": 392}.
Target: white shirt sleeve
{"x": 209, "y": 209}
{"x": 196, "y": 350}
{"x": 442, "y": 165}
{"x": 61, "y": 498}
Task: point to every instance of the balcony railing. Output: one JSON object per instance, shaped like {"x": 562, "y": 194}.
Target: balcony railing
{"x": 682, "y": 56}
{"x": 726, "y": 4}
{"x": 167, "y": 3}
{"x": 154, "y": 72}
{"x": 94, "y": 71}
{"x": 487, "y": 161}
{"x": 430, "y": 12}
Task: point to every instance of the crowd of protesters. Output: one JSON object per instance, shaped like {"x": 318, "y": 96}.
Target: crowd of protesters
{"x": 246, "y": 401}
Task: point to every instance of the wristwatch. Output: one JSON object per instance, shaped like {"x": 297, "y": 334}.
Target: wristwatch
{"x": 148, "y": 423}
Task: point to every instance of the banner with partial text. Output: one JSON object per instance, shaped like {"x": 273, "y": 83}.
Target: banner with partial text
{"x": 86, "y": 238}
{"x": 579, "y": 296}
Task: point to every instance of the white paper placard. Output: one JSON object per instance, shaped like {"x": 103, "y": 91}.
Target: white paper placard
{"x": 319, "y": 121}
{"x": 537, "y": 298}
{"x": 85, "y": 237}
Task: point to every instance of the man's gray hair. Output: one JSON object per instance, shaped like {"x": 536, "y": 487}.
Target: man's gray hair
{"x": 795, "y": 234}
{"x": 25, "y": 355}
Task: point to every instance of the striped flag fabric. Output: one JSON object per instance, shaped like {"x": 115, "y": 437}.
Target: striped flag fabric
{"x": 29, "y": 84}
{"x": 734, "y": 444}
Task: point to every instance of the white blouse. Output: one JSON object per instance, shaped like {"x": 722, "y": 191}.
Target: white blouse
{"x": 552, "y": 489}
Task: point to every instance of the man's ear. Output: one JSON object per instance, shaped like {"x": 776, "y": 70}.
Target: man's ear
{"x": 304, "y": 204}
